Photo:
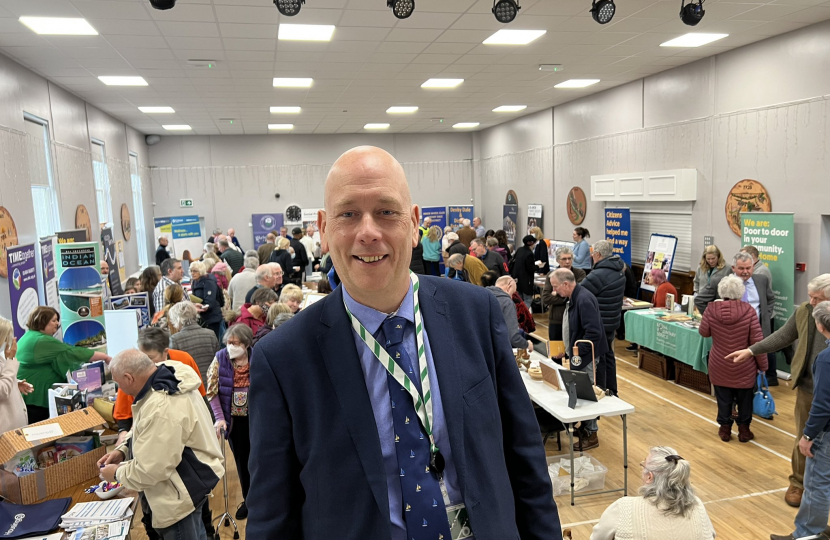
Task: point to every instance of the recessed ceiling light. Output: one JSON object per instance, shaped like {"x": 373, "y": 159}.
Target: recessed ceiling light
{"x": 577, "y": 83}
{"x": 693, "y": 40}
{"x": 401, "y": 109}
{"x": 465, "y": 125}
{"x": 514, "y": 37}
{"x": 156, "y": 110}
{"x": 442, "y": 83}
{"x": 285, "y": 110}
{"x": 280, "y": 127}
{"x": 122, "y": 81}
{"x": 306, "y": 32}
{"x": 510, "y": 108}
{"x": 177, "y": 127}
{"x": 376, "y": 126}
{"x": 59, "y": 26}
{"x": 292, "y": 82}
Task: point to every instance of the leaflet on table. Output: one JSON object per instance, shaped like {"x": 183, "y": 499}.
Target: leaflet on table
{"x": 109, "y": 531}
{"x": 92, "y": 514}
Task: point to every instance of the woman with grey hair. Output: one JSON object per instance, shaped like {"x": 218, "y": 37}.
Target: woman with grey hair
{"x": 227, "y": 392}
{"x": 733, "y": 325}
{"x": 198, "y": 342}
{"x": 667, "y": 508}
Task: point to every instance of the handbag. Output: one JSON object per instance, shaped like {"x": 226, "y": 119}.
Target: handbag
{"x": 762, "y": 403}
{"x": 18, "y": 521}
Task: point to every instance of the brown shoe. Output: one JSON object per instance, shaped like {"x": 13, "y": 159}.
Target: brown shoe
{"x": 793, "y": 496}
{"x": 744, "y": 435}
{"x": 781, "y": 537}
{"x": 588, "y": 442}
{"x": 725, "y": 433}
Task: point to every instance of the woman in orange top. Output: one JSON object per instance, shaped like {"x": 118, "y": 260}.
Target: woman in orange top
{"x": 663, "y": 287}
{"x": 153, "y": 342}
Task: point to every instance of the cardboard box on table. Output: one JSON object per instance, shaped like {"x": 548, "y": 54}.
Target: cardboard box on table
{"x": 42, "y": 483}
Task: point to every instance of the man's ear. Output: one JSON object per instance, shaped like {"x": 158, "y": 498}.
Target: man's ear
{"x": 415, "y": 217}
{"x": 321, "y": 226}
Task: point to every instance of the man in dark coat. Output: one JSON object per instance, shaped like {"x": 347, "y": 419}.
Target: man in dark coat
{"x": 523, "y": 269}
{"x": 161, "y": 252}
{"x": 300, "y": 256}
{"x": 492, "y": 260}
{"x": 607, "y": 282}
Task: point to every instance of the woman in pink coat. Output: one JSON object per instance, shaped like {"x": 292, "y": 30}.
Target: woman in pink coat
{"x": 733, "y": 326}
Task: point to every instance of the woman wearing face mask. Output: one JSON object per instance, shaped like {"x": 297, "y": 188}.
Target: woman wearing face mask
{"x": 254, "y": 315}
{"x": 227, "y": 392}
{"x": 667, "y": 508}
{"x": 44, "y": 360}
{"x": 12, "y": 408}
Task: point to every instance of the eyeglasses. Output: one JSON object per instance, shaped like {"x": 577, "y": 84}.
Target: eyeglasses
{"x": 279, "y": 275}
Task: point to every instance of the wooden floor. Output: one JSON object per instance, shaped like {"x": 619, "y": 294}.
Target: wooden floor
{"x": 742, "y": 485}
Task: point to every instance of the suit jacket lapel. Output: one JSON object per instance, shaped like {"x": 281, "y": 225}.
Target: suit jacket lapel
{"x": 343, "y": 365}
{"x": 445, "y": 358}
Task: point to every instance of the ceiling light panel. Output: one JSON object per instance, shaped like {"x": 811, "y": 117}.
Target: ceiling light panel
{"x": 376, "y": 126}
{"x": 514, "y": 37}
{"x": 401, "y": 109}
{"x": 280, "y": 127}
{"x": 442, "y": 83}
{"x": 306, "y": 32}
{"x": 577, "y": 83}
{"x": 285, "y": 110}
{"x": 510, "y": 108}
{"x": 157, "y": 110}
{"x": 292, "y": 82}
{"x": 177, "y": 127}
{"x": 466, "y": 125}
{"x": 59, "y": 26}
{"x": 693, "y": 40}
{"x": 122, "y": 81}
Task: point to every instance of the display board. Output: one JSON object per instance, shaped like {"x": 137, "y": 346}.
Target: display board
{"x": 309, "y": 218}
{"x": 660, "y": 254}
{"x": 457, "y": 214}
{"x": 438, "y": 215}
{"x": 69, "y": 237}
{"x": 48, "y": 276}
{"x": 510, "y": 218}
{"x": 111, "y": 257}
{"x": 263, "y": 224}
{"x": 772, "y": 235}
{"x": 534, "y": 216}
{"x": 21, "y": 262}
{"x": 618, "y": 232}
{"x": 122, "y": 330}
{"x": 138, "y": 302}
{"x": 80, "y": 287}
{"x": 183, "y": 233}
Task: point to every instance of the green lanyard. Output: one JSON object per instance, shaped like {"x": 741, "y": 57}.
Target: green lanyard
{"x": 423, "y": 406}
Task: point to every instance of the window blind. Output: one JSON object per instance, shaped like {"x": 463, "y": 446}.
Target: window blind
{"x": 674, "y": 219}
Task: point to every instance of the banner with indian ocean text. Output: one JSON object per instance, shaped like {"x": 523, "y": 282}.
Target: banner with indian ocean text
{"x": 772, "y": 235}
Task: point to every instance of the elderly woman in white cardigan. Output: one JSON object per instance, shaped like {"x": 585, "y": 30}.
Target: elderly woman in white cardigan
{"x": 12, "y": 409}
{"x": 667, "y": 508}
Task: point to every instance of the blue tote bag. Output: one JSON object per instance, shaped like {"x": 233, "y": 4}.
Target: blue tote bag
{"x": 762, "y": 403}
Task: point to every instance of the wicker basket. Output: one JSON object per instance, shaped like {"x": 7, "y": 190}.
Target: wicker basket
{"x": 691, "y": 378}
{"x": 653, "y": 363}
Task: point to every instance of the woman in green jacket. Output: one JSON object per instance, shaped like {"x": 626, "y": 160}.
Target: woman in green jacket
{"x": 44, "y": 360}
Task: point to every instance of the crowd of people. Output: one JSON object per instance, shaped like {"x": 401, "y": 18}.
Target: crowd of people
{"x": 335, "y": 393}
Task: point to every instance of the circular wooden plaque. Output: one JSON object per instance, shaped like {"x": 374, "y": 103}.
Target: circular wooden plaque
{"x": 8, "y": 238}
{"x": 82, "y": 221}
{"x": 126, "y": 224}
{"x": 746, "y": 196}
{"x": 511, "y": 198}
{"x": 577, "y": 205}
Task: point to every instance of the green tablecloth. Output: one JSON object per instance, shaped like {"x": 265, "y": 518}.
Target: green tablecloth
{"x": 672, "y": 339}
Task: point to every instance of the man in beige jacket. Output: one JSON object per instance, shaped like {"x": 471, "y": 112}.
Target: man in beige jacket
{"x": 171, "y": 454}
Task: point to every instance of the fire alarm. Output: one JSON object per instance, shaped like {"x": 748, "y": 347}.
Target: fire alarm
{"x": 801, "y": 267}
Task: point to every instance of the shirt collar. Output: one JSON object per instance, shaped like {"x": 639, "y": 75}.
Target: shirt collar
{"x": 750, "y": 282}
{"x": 371, "y": 319}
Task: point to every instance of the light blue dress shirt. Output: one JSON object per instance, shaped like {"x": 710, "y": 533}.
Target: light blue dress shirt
{"x": 752, "y": 297}
{"x": 376, "y": 384}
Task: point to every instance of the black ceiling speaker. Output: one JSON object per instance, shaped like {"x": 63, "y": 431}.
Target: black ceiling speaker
{"x": 691, "y": 13}
{"x": 163, "y": 4}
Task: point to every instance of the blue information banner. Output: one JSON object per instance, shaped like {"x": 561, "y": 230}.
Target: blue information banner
{"x": 618, "y": 231}
{"x": 263, "y": 224}
{"x": 459, "y": 213}
{"x": 186, "y": 227}
{"x": 438, "y": 214}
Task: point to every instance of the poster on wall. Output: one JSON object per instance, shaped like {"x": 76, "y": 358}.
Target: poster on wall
{"x": 187, "y": 235}
{"x": 772, "y": 235}
{"x": 119, "y": 256}
{"x": 660, "y": 254}
{"x": 618, "y": 232}
{"x": 510, "y": 215}
{"x": 21, "y": 262}
{"x": 457, "y": 214}
{"x": 262, "y": 224}
{"x": 310, "y": 217}
{"x": 438, "y": 215}
{"x": 8, "y": 238}
{"x": 534, "y": 216}
{"x": 80, "y": 287}
{"x": 138, "y": 302}
{"x": 111, "y": 257}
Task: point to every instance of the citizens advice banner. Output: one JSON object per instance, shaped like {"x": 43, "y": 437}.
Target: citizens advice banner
{"x": 772, "y": 235}
{"x": 618, "y": 232}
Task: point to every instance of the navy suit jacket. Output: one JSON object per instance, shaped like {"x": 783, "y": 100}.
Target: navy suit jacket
{"x": 316, "y": 464}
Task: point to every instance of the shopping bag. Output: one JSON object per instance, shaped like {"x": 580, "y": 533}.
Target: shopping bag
{"x": 19, "y": 520}
{"x": 762, "y": 403}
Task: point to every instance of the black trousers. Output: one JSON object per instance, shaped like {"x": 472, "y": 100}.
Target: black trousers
{"x": 555, "y": 332}
{"x": 431, "y": 267}
{"x": 240, "y": 441}
{"x": 726, "y": 397}
{"x": 607, "y": 366}
{"x": 36, "y": 413}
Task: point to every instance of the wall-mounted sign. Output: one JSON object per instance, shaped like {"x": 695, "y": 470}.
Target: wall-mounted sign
{"x": 263, "y": 224}
{"x": 185, "y": 203}
{"x": 126, "y": 224}
{"x": 745, "y": 196}
{"x": 511, "y": 198}
{"x": 8, "y": 238}
{"x": 82, "y": 221}
{"x": 577, "y": 205}
{"x": 534, "y": 216}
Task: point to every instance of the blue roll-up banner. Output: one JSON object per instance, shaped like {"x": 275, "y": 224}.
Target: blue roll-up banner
{"x": 457, "y": 214}
{"x": 22, "y": 265}
{"x": 438, "y": 214}
{"x": 510, "y": 220}
{"x": 618, "y": 231}
{"x": 263, "y": 224}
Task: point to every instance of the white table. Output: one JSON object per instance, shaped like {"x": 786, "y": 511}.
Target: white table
{"x": 555, "y": 402}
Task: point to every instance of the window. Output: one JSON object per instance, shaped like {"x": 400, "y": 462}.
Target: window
{"x": 138, "y": 212}
{"x": 102, "y": 183}
{"x": 672, "y": 218}
{"x": 44, "y": 197}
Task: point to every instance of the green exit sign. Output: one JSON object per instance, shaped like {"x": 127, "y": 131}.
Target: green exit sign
{"x": 186, "y": 203}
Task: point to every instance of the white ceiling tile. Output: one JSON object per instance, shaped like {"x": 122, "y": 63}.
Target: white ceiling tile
{"x": 22, "y": 40}
{"x": 809, "y": 15}
{"x": 112, "y": 9}
{"x": 464, "y": 36}
{"x": 406, "y": 34}
{"x": 775, "y": 28}
{"x": 185, "y": 12}
{"x": 255, "y": 31}
{"x": 422, "y": 19}
{"x": 195, "y": 43}
{"x": 242, "y": 14}
{"x": 107, "y": 27}
{"x": 361, "y": 33}
{"x": 137, "y": 42}
{"x": 147, "y": 54}
{"x": 188, "y": 29}
{"x": 383, "y": 19}
{"x": 253, "y": 56}
{"x": 39, "y": 8}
